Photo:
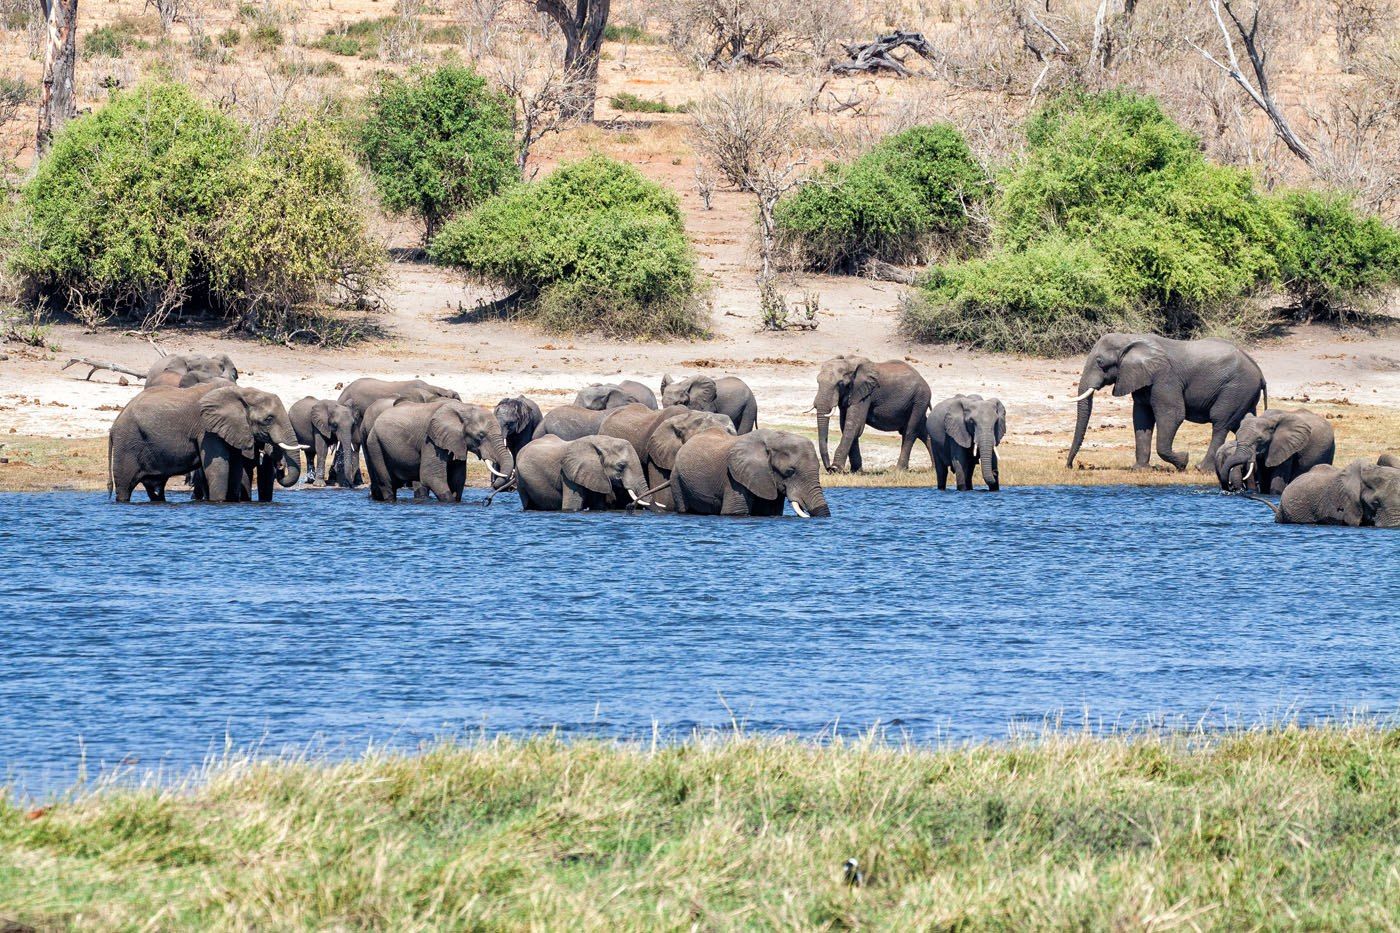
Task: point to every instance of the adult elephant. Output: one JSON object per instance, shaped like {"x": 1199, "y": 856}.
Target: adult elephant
{"x": 593, "y": 473}
{"x": 322, "y": 424}
{"x": 190, "y": 369}
{"x": 571, "y": 422}
{"x": 659, "y": 458}
{"x": 1274, "y": 448}
{"x": 1360, "y": 494}
{"x": 750, "y": 474}
{"x": 727, "y": 395}
{"x": 888, "y": 396}
{"x": 215, "y": 430}
{"x": 635, "y": 424}
{"x": 428, "y": 443}
{"x": 965, "y": 431}
{"x": 627, "y": 392}
{"x": 359, "y": 395}
{"x": 519, "y": 418}
{"x": 1171, "y": 381}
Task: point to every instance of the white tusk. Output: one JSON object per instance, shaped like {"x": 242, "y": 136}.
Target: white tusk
{"x": 294, "y": 446}
{"x": 1082, "y": 395}
{"x": 797, "y": 507}
{"x": 633, "y": 495}
{"x": 490, "y": 465}
{"x": 1250, "y": 472}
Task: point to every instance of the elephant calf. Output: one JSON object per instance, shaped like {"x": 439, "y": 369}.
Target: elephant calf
{"x": 727, "y": 395}
{"x": 519, "y": 418}
{"x": 190, "y": 369}
{"x": 428, "y": 443}
{"x": 323, "y": 424}
{"x": 571, "y": 422}
{"x": 1360, "y": 494}
{"x": 555, "y": 475}
{"x": 964, "y": 431}
{"x": 750, "y": 474}
{"x": 1273, "y": 449}
{"x": 605, "y": 395}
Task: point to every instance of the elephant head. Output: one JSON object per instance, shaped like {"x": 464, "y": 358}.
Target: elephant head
{"x": 696, "y": 392}
{"x": 460, "y": 429}
{"x": 1375, "y": 490}
{"x": 668, "y": 438}
{"x": 842, "y": 381}
{"x": 519, "y": 418}
{"x": 247, "y": 419}
{"x": 1128, "y": 362}
{"x": 337, "y": 421}
{"x": 603, "y": 397}
{"x": 777, "y": 465}
{"x": 605, "y": 466}
{"x": 980, "y": 424}
{"x": 1275, "y": 436}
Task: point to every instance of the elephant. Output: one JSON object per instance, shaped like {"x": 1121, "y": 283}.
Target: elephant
{"x": 1171, "y": 381}
{"x": 1390, "y": 460}
{"x": 964, "y": 431}
{"x": 889, "y": 396}
{"x": 748, "y": 474}
{"x": 1359, "y": 494}
{"x": 428, "y": 443}
{"x": 214, "y": 430}
{"x": 727, "y": 395}
{"x": 190, "y": 369}
{"x": 322, "y": 424}
{"x": 555, "y": 475}
{"x": 635, "y": 423}
{"x": 1274, "y": 448}
{"x": 600, "y": 397}
{"x": 519, "y": 418}
{"x": 359, "y": 395}
{"x": 669, "y": 436}
{"x": 571, "y": 422}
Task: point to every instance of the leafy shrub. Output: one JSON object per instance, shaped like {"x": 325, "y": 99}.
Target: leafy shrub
{"x": 110, "y": 41}
{"x": 438, "y": 143}
{"x": 893, "y": 203}
{"x": 154, "y": 204}
{"x": 230, "y": 37}
{"x": 265, "y": 37}
{"x": 1339, "y": 257}
{"x": 627, "y": 32}
{"x": 627, "y": 102}
{"x": 595, "y": 246}
{"x": 338, "y": 44}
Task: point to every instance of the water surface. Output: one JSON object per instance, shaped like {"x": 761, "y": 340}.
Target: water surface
{"x": 154, "y": 634}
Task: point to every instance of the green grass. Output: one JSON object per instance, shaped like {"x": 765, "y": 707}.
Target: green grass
{"x": 1278, "y": 827}
{"x": 628, "y": 32}
{"x": 627, "y": 102}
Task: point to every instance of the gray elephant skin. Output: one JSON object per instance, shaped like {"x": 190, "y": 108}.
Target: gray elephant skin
{"x": 215, "y": 429}
{"x": 748, "y": 474}
{"x": 965, "y": 431}
{"x": 1360, "y": 494}
{"x": 359, "y": 395}
{"x": 571, "y": 422}
{"x": 519, "y": 418}
{"x": 428, "y": 443}
{"x": 323, "y": 425}
{"x": 190, "y": 369}
{"x": 727, "y": 395}
{"x": 1171, "y": 381}
{"x": 590, "y": 473}
{"x": 1274, "y": 448}
{"x": 627, "y": 392}
{"x": 657, "y": 436}
{"x": 889, "y": 396}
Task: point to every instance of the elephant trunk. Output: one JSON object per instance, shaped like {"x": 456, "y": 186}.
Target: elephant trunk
{"x": 505, "y": 461}
{"x": 286, "y": 440}
{"x": 290, "y": 473}
{"x": 987, "y": 454}
{"x": 345, "y": 455}
{"x": 808, "y": 497}
{"x": 1089, "y": 382}
{"x": 826, "y": 398}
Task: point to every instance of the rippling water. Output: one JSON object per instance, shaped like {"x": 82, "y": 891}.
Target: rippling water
{"x": 155, "y": 633}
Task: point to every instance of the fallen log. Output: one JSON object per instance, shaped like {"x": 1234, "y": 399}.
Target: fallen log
{"x": 95, "y": 365}
{"x": 887, "y": 272}
{"x": 877, "y": 55}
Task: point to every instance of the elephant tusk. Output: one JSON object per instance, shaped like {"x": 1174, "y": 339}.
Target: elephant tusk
{"x": 801, "y": 512}
{"x": 490, "y": 465}
{"x": 1250, "y": 472}
{"x": 1082, "y": 395}
{"x": 293, "y": 446}
{"x": 633, "y": 495}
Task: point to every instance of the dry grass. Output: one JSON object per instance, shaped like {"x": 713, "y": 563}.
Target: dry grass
{"x": 43, "y": 463}
{"x": 1274, "y": 827}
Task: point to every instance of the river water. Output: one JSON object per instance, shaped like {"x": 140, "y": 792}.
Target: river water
{"x": 154, "y": 635}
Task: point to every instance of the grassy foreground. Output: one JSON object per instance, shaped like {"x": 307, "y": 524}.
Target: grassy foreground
{"x": 1280, "y": 827}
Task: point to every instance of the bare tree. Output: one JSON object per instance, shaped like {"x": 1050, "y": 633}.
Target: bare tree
{"x": 1258, "y": 91}
{"x": 167, "y": 10}
{"x": 729, "y": 34}
{"x": 57, "y": 104}
{"x": 547, "y": 95}
{"x": 583, "y": 29}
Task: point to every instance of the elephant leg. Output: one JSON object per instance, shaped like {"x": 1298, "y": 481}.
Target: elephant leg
{"x": 433, "y": 474}
{"x": 940, "y": 469}
{"x": 734, "y": 501}
{"x": 572, "y": 499}
{"x": 748, "y": 419}
{"x": 852, "y": 423}
{"x": 223, "y": 469}
{"x": 906, "y": 446}
{"x": 1167, "y": 426}
{"x": 155, "y": 490}
{"x": 456, "y": 479}
{"x": 856, "y": 460}
{"x": 1144, "y": 419}
{"x": 319, "y": 463}
{"x": 1223, "y": 419}
{"x": 382, "y": 486}
{"x": 267, "y": 478}
{"x": 962, "y": 468}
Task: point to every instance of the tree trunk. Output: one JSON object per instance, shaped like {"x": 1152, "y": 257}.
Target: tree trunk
{"x": 56, "y": 102}
{"x": 583, "y": 29}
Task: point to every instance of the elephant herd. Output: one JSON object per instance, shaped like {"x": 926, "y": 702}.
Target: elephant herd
{"x": 697, "y": 448}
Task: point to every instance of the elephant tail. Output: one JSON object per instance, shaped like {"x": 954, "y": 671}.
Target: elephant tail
{"x": 111, "y": 478}
{"x": 1278, "y": 512}
{"x": 1264, "y": 388}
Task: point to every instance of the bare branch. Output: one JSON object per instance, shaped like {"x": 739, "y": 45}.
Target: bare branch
{"x": 95, "y": 365}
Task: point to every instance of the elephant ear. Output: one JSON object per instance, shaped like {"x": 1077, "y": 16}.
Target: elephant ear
{"x": 1140, "y": 364}
{"x": 703, "y": 393}
{"x": 665, "y": 381}
{"x": 955, "y": 424}
{"x": 1352, "y": 490}
{"x": 1290, "y": 437}
{"x": 225, "y": 413}
{"x": 866, "y": 381}
{"x": 445, "y": 430}
{"x": 749, "y": 466}
{"x": 665, "y": 443}
{"x": 320, "y": 419}
{"x": 999, "y": 429}
{"x": 583, "y": 466}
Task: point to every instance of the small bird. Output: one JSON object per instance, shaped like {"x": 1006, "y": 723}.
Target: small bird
{"x": 854, "y": 876}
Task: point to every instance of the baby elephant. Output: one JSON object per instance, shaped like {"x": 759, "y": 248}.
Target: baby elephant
{"x": 320, "y": 425}
{"x": 1273, "y": 449}
{"x": 1360, "y": 494}
{"x": 595, "y": 472}
{"x": 428, "y": 443}
{"x": 965, "y": 431}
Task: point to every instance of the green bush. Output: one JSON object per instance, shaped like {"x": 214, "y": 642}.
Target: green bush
{"x": 627, "y": 32}
{"x": 265, "y": 37}
{"x": 1340, "y": 258}
{"x": 895, "y": 203}
{"x": 438, "y": 143}
{"x": 154, "y": 203}
{"x": 595, "y": 246}
{"x": 230, "y": 37}
{"x": 111, "y": 41}
{"x": 627, "y": 102}
{"x": 338, "y": 44}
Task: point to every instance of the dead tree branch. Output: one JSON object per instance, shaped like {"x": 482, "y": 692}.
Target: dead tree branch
{"x": 95, "y": 365}
{"x": 877, "y": 55}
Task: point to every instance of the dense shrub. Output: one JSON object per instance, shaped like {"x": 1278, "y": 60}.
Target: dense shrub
{"x": 593, "y": 246}
{"x": 893, "y": 203}
{"x": 438, "y": 143}
{"x": 1340, "y": 258}
{"x": 154, "y": 203}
